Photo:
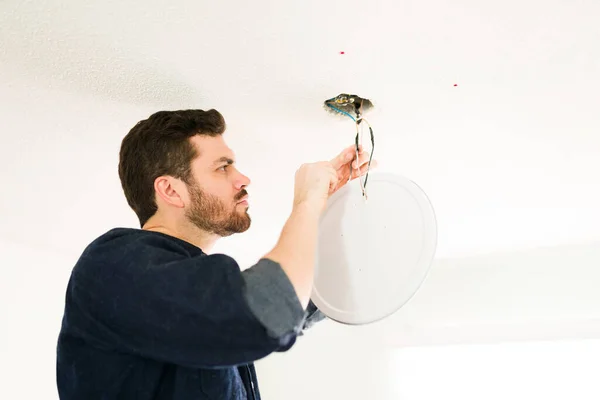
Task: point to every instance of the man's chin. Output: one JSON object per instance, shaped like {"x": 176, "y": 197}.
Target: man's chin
{"x": 241, "y": 226}
{"x": 232, "y": 232}
{"x": 246, "y": 226}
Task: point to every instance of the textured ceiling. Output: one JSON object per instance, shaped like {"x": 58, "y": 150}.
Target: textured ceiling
{"x": 491, "y": 107}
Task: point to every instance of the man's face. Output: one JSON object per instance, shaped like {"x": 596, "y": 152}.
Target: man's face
{"x": 217, "y": 190}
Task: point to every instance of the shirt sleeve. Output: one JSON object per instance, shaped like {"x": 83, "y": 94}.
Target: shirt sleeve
{"x": 200, "y": 311}
{"x": 312, "y": 315}
{"x": 272, "y": 298}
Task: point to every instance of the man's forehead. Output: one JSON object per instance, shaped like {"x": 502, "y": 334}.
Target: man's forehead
{"x": 212, "y": 150}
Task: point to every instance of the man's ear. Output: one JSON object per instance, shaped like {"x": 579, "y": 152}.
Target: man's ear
{"x": 171, "y": 190}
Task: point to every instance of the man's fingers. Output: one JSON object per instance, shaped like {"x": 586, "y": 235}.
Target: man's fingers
{"x": 334, "y": 180}
{"x": 362, "y": 159}
{"x": 346, "y": 156}
{"x": 363, "y": 169}
{"x": 341, "y": 159}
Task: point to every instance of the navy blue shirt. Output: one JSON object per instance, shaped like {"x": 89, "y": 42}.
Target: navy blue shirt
{"x": 149, "y": 316}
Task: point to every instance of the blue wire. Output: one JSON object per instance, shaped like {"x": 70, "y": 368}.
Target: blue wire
{"x": 340, "y": 111}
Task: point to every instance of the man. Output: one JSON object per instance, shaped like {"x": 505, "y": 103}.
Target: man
{"x": 149, "y": 313}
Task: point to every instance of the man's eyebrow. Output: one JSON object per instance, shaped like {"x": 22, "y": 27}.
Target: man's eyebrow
{"x": 222, "y": 160}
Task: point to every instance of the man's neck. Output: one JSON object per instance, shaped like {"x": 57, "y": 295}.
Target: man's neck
{"x": 199, "y": 238}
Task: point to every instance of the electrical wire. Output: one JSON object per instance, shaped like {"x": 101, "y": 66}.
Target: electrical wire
{"x": 372, "y": 147}
{"x": 341, "y": 111}
{"x": 358, "y": 109}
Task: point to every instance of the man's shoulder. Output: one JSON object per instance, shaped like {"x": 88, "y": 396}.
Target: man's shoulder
{"x": 118, "y": 243}
{"x": 121, "y": 236}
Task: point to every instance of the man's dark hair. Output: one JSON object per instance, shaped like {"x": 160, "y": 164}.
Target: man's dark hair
{"x": 160, "y": 145}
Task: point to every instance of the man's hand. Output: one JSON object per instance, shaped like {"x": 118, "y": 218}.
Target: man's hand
{"x": 315, "y": 182}
{"x": 347, "y": 157}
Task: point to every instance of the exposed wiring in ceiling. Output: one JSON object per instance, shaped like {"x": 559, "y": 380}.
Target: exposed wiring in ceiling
{"x": 347, "y": 105}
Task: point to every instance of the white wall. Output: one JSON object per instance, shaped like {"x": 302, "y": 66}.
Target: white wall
{"x": 473, "y": 330}
{"x": 32, "y": 291}
{"x": 517, "y": 371}
{"x": 561, "y": 370}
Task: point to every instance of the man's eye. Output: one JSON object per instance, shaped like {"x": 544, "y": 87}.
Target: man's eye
{"x": 223, "y": 168}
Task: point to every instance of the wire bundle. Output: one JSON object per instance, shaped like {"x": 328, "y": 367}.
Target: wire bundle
{"x": 347, "y": 105}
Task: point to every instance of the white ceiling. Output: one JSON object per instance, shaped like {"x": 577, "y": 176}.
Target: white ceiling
{"x": 509, "y": 156}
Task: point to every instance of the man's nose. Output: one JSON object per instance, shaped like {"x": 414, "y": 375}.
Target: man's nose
{"x": 242, "y": 182}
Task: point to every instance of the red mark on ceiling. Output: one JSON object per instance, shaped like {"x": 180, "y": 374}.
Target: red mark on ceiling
{"x": 342, "y": 52}
{"x": 455, "y": 84}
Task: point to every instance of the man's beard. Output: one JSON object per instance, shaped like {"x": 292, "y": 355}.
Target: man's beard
{"x": 210, "y": 214}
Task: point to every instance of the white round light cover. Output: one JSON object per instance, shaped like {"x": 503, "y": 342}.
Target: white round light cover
{"x": 373, "y": 255}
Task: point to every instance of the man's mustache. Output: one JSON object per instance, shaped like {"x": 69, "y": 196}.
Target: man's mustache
{"x": 241, "y": 195}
